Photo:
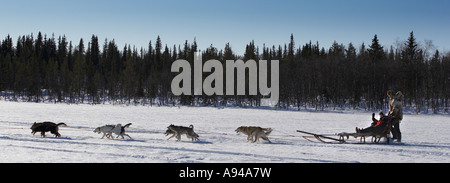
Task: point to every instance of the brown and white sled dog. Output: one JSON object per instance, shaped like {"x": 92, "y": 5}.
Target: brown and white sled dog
{"x": 254, "y": 131}
{"x": 45, "y": 127}
{"x": 180, "y": 130}
{"x": 118, "y": 129}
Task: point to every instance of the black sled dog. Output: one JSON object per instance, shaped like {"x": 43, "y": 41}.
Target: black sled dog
{"x": 45, "y": 127}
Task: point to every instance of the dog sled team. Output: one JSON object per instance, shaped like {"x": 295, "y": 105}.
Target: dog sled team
{"x": 379, "y": 128}
{"x": 254, "y": 133}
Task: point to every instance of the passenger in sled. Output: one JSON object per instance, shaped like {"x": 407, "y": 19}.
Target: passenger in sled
{"x": 377, "y": 126}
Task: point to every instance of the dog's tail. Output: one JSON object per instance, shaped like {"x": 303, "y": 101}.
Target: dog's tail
{"x": 61, "y": 124}
{"x": 127, "y": 125}
{"x": 191, "y": 126}
{"x": 267, "y": 131}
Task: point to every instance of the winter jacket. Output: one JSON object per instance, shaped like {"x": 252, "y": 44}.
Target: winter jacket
{"x": 377, "y": 122}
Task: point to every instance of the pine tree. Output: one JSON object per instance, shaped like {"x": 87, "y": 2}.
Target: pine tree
{"x": 411, "y": 71}
{"x": 129, "y": 75}
{"x": 6, "y": 64}
{"x": 410, "y": 53}
{"x": 92, "y": 61}
{"x": 377, "y": 67}
{"x": 158, "y": 47}
{"x": 375, "y": 50}
{"x": 291, "y": 49}
{"x": 79, "y": 71}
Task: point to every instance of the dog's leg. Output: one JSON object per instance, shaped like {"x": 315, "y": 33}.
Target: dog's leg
{"x": 265, "y": 138}
{"x": 256, "y": 137}
{"x": 189, "y": 137}
{"x": 250, "y": 138}
{"x": 193, "y": 137}
{"x": 178, "y": 137}
{"x": 260, "y": 135}
{"x": 172, "y": 136}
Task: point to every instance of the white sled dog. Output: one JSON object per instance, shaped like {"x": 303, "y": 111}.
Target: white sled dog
{"x": 254, "y": 131}
{"x": 118, "y": 129}
{"x": 180, "y": 130}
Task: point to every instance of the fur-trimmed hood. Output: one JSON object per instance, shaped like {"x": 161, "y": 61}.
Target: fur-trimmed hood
{"x": 399, "y": 96}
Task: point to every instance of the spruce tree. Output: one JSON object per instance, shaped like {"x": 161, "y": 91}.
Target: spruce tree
{"x": 375, "y": 50}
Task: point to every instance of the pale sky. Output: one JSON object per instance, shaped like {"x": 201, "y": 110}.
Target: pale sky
{"x": 238, "y": 22}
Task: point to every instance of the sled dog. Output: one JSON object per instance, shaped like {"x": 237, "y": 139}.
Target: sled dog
{"x": 45, "y": 127}
{"x": 254, "y": 131}
{"x": 118, "y": 129}
{"x": 106, "y": 130}
{"x": 170, "y": 132}
{"x": 180, "y": 130}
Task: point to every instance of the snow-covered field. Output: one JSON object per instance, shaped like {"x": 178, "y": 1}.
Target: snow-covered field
{"x": 426, "y": 138}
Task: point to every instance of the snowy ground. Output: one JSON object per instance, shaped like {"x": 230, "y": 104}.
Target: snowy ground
{"x": 426, "y": 138}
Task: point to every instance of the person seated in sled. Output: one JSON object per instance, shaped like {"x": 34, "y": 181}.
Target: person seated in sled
{"x": 377, "y": 126}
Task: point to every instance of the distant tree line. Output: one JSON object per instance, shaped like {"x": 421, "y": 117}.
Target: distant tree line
{"x": 53, "y": 69}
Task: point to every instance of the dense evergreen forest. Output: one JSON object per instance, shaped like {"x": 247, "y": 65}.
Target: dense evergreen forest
{"x": 51, "y": 69}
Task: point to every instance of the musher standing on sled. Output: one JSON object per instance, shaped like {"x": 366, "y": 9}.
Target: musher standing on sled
{"x": 395, "y": 111}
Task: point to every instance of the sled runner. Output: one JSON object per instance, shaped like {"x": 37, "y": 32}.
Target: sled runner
{"x": 325, "y": 138}
{"x": 362, "y": 137}
{"x": 344, "y": 137}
